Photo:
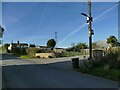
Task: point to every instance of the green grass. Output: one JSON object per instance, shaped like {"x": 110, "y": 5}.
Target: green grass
{"x": 112, "y": 74}
{"x": 26, "y": 57}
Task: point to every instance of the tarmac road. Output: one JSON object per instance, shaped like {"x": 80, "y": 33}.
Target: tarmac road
{"x": 46, "y": 73}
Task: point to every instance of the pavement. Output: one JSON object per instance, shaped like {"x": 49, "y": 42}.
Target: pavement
{"x": 48, "y": 73}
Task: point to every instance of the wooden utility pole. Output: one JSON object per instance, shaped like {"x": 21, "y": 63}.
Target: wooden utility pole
{"x": 90, "y": 29}
{"x": 89, "y": 21}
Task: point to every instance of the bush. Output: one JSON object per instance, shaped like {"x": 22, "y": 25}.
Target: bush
{"x": 86, "y": 66}
{"x": 18, "y": 51}
{"x": 69, "y": 54}
{"x": 112, "y": 59}
{"x": 107, "y": 66}
{"x": 31, "y": 51}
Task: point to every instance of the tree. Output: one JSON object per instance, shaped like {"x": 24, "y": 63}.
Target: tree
{"x": 51, "y": 43}
{"x": 1, "y": 31}
{"x": 5, "y": 47}
{"x": 94, "y": 45}
{"x": 112, "y": 40}
{"x": 32, "y": 45}
{"x": 81, "y": 46}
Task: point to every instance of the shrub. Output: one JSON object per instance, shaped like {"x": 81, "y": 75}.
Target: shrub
{"x": 68, "y": 54}
{"x": 86, "y": 66}
{"x": 23, "y": 51}
{"x": 18, "y": 51}
{"x": 31, "y": 51}
{"x": 107, "y": 68}
{"x": 96, "y": 63}
{"x": 112, "y": 58}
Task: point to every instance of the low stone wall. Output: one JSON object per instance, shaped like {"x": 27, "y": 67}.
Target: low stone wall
{"x": 45, "y": 55}
{"x": 97, "y": 53}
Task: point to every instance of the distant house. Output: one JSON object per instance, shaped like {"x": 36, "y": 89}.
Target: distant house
{"x": 43, "y": 47}
{"x": 118, "y": 44}
{"x": 17, "y": 45}
{"x": 60, "y": 50}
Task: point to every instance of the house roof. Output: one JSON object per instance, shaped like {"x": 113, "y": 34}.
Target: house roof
{"x": 14, "y": 43}
{"x": 43, "y": 46}
{"x": 23, "y": 44}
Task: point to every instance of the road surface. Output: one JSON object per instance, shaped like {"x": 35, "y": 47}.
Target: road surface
{"x": 47, "y": 73}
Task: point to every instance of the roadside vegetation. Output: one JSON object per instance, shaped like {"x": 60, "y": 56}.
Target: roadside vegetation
{"x": 29, "y": 52}
{"x": 76, "y": 50}
{"x": 72, "y": 53}
{"x": 107, "y": 66}
{"x": 4, "y": 48}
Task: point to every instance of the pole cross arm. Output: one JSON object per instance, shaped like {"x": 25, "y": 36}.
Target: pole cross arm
{"x": 89, "y": 19}
{"x": 84, "y": 14}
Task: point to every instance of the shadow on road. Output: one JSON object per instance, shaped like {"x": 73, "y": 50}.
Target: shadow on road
{"x": 50, "y": 75}
{"x": 34, "y": 75}
{"x": 8, "y": 56}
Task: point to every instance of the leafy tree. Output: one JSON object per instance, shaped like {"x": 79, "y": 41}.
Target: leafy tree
{"x": 94, "y": 45}
{"x": 5, "y": 47}
{"x": 1, "y": 31}
{"x": 78, "y": 47}
{"x": 32, "y": 45}
{"x": 81, "y": 46}
{"x": 51, "y": 43}
{"x": 112, "y": 40}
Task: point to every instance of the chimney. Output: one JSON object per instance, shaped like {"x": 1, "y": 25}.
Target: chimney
{"x": 18, "y": 42}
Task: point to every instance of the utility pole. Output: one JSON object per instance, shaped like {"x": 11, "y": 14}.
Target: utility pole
{"x": 91, "y": 32}
{"x": 56, "y": 38}
{"x": 90, "y": 29}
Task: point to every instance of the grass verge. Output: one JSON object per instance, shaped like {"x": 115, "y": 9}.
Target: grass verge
{"x": 112, "y": 74}
{"x": 26, "y": 57}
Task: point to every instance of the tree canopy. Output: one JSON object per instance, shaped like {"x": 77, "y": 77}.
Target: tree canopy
{"x": 51, "y": 43}
{"x": 78, "y": 46}
{"x": 1, "y": 31}
{"x": 81, "y": 46}
{"x": 94, "y": 45}
{"x": 112, "y": 40}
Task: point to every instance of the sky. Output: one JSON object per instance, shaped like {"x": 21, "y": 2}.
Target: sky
{"x": 36, "y": 22}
